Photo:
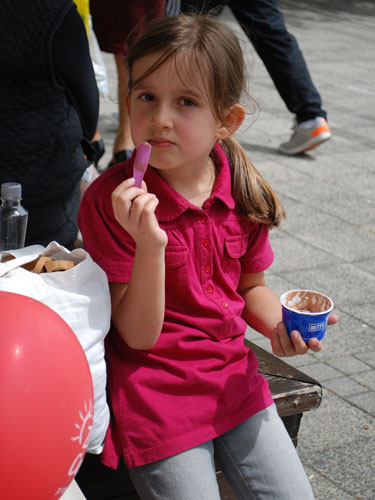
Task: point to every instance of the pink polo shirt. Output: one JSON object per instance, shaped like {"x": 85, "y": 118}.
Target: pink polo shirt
{"x": 199, "y": 380}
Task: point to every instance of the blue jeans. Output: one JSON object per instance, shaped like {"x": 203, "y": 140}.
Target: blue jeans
{"x": 257, "y": 457}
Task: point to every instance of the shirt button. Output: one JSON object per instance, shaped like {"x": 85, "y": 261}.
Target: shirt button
{"x": 224, "y": 305}
{"x": 207, "y": 269}
{"x": 209, "y": 288}
{"x": 203, "y": 219}
{"x": 206, "y": 243}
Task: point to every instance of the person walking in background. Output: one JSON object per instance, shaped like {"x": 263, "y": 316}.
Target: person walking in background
{"x": 185, "y": 256}
{"x": 49, "y": 108}
{"x": 263, "y": 23}
{"x": 113, "y": 21}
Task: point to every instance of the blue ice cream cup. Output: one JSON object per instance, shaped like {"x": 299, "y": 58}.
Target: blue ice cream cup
{"x": 306, "y": 311}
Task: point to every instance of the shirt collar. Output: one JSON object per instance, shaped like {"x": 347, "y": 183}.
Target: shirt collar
{"x": 172, "y": 204}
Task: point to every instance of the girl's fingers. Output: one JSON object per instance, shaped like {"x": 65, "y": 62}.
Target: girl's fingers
{"x": 283, "y": 345}
{"x": 144, "y": 204}
{"x": 123, "y": 186}
{"x": 299, "y": 344}
{"x": 332, "y": 319}
{"x": 276, "y": 344}
{"x": 123, "y": 197}
{"x": 291, "y": 345}
{"x": 134, "y": 209}
{"x": 148, "y": 226}
{"x": 315, "y": 345}
{"x": 142, "y": 214}
{"x": 126, "y": 192}
{"x": 148, "y": 212}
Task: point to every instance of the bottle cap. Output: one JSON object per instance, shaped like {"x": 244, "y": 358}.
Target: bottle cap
{"x": 11, "y": 191}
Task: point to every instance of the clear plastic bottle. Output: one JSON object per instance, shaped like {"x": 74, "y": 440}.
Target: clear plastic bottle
{"x": 13, "y": 217}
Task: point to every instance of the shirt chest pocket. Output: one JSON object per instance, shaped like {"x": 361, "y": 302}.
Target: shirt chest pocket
{"x": 176, "y": 258}
{"x": 235, "y": 247}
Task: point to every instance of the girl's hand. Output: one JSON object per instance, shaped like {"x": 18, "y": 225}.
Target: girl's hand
{"x": 283, "y": 345}
{"x": 134, "y": 210}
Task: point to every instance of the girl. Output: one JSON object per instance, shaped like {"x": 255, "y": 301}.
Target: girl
{"x": 185, "y": 257}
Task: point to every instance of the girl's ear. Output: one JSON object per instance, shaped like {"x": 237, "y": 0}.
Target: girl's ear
{"x": 233, "y": 120}
{"x": 127, "y": 103}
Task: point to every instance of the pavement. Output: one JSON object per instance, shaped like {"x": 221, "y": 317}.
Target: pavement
{"x": 327, "y": 242}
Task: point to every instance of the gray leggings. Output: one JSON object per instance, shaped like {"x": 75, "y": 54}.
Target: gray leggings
{"x": 257, "y": 457}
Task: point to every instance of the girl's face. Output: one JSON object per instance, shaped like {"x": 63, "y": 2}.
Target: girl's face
{"x": 174, "y": 116}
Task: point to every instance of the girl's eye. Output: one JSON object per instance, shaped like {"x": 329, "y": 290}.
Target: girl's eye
{"x": 146, "y": 97}
{"x": 187, "y": 102}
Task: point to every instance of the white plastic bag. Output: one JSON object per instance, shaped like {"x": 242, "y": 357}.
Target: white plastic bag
{"x": 81, "y": 297}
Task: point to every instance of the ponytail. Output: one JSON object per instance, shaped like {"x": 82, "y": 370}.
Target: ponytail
{"x": 254, "y": 197}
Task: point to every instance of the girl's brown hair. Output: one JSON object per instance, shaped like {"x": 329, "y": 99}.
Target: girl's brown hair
{"x": 205, "y": 43}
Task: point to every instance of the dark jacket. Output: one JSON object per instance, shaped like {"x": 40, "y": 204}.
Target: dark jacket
{"x": 40, "y": 131}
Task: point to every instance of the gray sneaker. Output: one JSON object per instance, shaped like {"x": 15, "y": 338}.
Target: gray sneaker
{"x": 304, "y": 139}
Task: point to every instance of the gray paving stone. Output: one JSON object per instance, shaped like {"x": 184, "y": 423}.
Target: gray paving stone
{"x": 279, "y": 284}
{"x": 365, "y": 401}
{"x": 347, "y": 242}
{"x": 365, "y": 312}
{"x": 344, "y": 283}
{"x": 321, "y": 371}
{"x": 345, "y": 464}
{"x": 349, "y": 336}
{"x": 299, "y": 185}
{"x": 334, "y": 423}
{"x": 299, "y": 218}
{"x": 367, "y": 379}
{"x": 290, "y": 255}
{"x": 344, "y": 386}
{"x": 349, "y": 365}
{"x": 364, "y": 162}
{"x": 345, "y": 176}
{"x": 300, "y": 362}
{"x": 260, "y": 341}
{"x": 323, "y": 488}
{"x": 367, "y": 357}
{"x": 366, "y": 265}
{"x": 252, "y": 334}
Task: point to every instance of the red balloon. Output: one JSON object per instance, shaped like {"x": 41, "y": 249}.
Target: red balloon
{"x": 47, "y": 401}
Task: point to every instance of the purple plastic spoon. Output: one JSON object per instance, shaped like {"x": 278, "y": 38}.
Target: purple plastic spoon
{"x": 141, "y": 162}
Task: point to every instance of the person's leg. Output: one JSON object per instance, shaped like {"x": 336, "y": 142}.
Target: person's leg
{"x": 264, "y": 25}
{"x": 263, "y": 22}
{"x": 189, "y": 475}
{"x": 123, "y": 141}
{"x": 260, "y": 462}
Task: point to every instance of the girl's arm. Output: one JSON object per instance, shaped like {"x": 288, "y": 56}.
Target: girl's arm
{"x": 138, "y": 306}
{"x": 262, "y": 312}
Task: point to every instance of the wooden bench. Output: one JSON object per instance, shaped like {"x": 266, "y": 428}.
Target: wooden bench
{"x": 292, "y": 390}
